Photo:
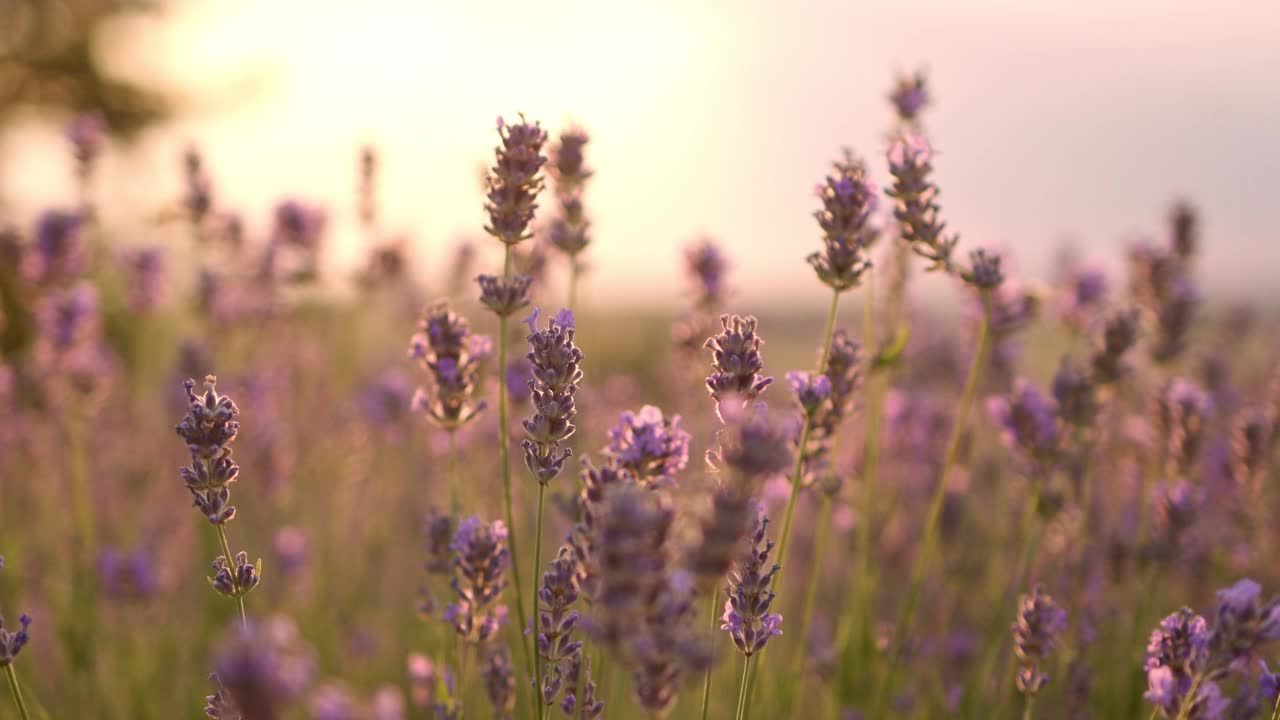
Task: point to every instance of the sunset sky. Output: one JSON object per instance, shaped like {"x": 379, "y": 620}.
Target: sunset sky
{"x": 1055, "y": 120}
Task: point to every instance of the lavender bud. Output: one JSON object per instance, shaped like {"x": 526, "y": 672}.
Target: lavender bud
{"x": 1242, "y": 623}
{"x": 848, "y": 200}
{"x": 11, "y": 643}
{"x": 754, "y": 444}
{"x": 1250, "y": 447}
{"x": 984, "y": 270}
{"x": 439, "y": 529}
{"x": 514, "y": 181}
{"x": 557, "y": 621}
{"x": 735, "y": 358}
{"x": 556, "y": 364}
{"x": 480, "y": 564}
{"x": 706, "y": 266}
{"x": 649, "y": 446}
{"x": 220, "y": 705}
{"x": 1074, "y": 392}
{"x": 597, "y": 483}
{"x": 910, "y": 95}
{"x": 500, "y": 681}
{"x": 635, "y": 525}
{"x": 1182, "y": 409}
{"x": 87, "y": 135}
{"x": 128, "y": 575}
{"x": 1029, "y": 423}
{"x": 1039, "y": 623}
{"x": 452, "y": 358}
{"x": 722, "y": 530}
{"x": 746, "y": 612}
{"x": 264, "y": 669}
{"x": 59, "y": 255}
{"x": 812, "y": 391}
{"x": 1184, "y": 226}
{"x": 504, "y": 296}
{"x": 916, "y": 210}
{"x": 1119, "y": 335}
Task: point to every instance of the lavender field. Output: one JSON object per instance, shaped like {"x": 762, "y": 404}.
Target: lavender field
{"x": 237, "y": 480}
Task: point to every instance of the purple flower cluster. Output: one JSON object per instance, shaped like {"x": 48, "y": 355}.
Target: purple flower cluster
{"x": 260, "y": 672}
{"x": 736, "y": 361}
{"x": 1035, "y": 633}
{"x": 568, "y": 232}
{"x": 910, "y": 95}
{"x": 58, "y": 252}
{"x": 557, "y": 372}
{"x": 480, "y": 565}
{"x": 515, "y": 180}
{"x": 1187, "y": 657}
{"x": 1182, "y": 410}
{"x": 499, "y": 681}
{"x": 651, "y": 447}
{"x": 1029, "y": 424}
{"x": 706, "y": 266}
{"x": 755, "y": 444}
{"x": 504, "y": 295}
{"x": 848, "y": 200}
{"x": 128, "y": 575}
{"x": 916, "y": 201}
{"x": 746, "y": 612}
{"x": 452, "y": 358}
{"x": 584, "y": 539}
{"x": 557, "y": 621}
{"x": 11, "y": 643}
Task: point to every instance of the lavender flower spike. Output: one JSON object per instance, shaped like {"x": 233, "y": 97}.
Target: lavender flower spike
{"x": 556, "y": 364}
{"x": 557, "y": 621}
{"x": 11, "y": 643}
{"x": 651, "y": 447}
{"x": 746, "y": 613}
{"x": 910, "y": 95}
{"x": 916, "y": 209}
{"x": 848, "y": 200}
{"x": 209, "y": 429}
{"x": 811, "y": 390}
{"x": 480, "y": 565}
{"x": 452, "y": 358}
{"x": 735, "y": 358}
{"x": 515, "y": 180}
{"x": 1039, "y": 623}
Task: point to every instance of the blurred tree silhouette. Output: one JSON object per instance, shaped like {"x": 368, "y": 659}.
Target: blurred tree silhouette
{"x": 46, "y": 61}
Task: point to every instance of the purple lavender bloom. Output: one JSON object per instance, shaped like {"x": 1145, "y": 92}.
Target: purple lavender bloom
{"x": 746, "y": 612}
{"x": 910, "y": 95}
{"x": 87, "y": 134}
{"x": 59, "y": 255}
{"x": 1168, "y": 691}
{"x": 984, "y": 270}
{"x": 556, "y": 622}
{"x": 557, "y": 372}
{"x": 1251, "y": 443}
{"x": 333, "y": 702}
{"x": 292, "y": 550}
{"x": 439, "y": 532}
{"x": 1268, "y": 684}
{"x": 209, "y": 429}
{"x": 755, "y": 445}
{"x": 517, "y": 378}
{"x": 706, "y": 266}
{"x": 299, "y": 224}
{"x": 632, "y": 561}
{"x": 665, "y": 648}
{"x": 916, "y": 208}
{"x": 514, "y": 181}
{"x": 385, "y": 400}
{"x": 1174, "y": 318}
{"x": 568, "y": 232}
{"x": 585, "y": 538}
{"x": 736, "y": 361}
{"x": 220, "y": 705}
{"x": 1029, "y": 422}
{"x": 500, "y": 681}
{"x": 1082, "y": 296}
{"x": 504, "y": 296}
{"x": 264, "y": 669}
{"x": 1035, "y": 633}
{"x": 1119, "y": 335}
{"x": 11, "y": 643}
{"x": 426, "y": 680}
{"x": 198, "y": 199}
{"x": 480, "y": 565}
{"x": 128, "y": 575}
{"x": 812, "y": 390}
{"x": 848, "y": 201}
{"x": 452, "y": 358}
{"x": 1242, "y": 624}
{"x": 721, "y": 532}
{"x": 1182, "y": 410}
{"x": 1176, "y": 642}
{"x": 569, "y": 168}
{"x": 651, "y": 447}
{"x": 145, "y": 269}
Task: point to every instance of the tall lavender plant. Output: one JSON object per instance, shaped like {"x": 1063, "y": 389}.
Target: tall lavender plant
{"x": 569, "y": 231}
{"x": 511, "y": 192}
{"x": 209, "y": 428}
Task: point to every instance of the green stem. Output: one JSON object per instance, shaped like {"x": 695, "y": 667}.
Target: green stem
{"x": 706, "y": 682}
{"x": 537, "y": 563}
{"x": 928, "y": 545}
{"x": 742, "y": 689}
{"x": 226, "y": 551}
{"x": 798, "y": 472}
{"x": 1026, "y": 708}
{"x": 504, "y": 460}
{"x": 17, "y": 692}
{"x": 1275, "y": 711}
{"x": 1189, "y": 700}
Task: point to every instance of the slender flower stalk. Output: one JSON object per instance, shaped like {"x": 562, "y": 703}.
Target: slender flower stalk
{"x": 1035, "y": 633}
{"x": 512, "y": 188}
{"x": 11, "y": 643}
{"x": 209, "y": 429}
{"x": 556, "y": 363}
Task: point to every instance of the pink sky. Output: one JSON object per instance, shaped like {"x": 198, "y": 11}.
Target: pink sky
{"x": 1054, "y": 119}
